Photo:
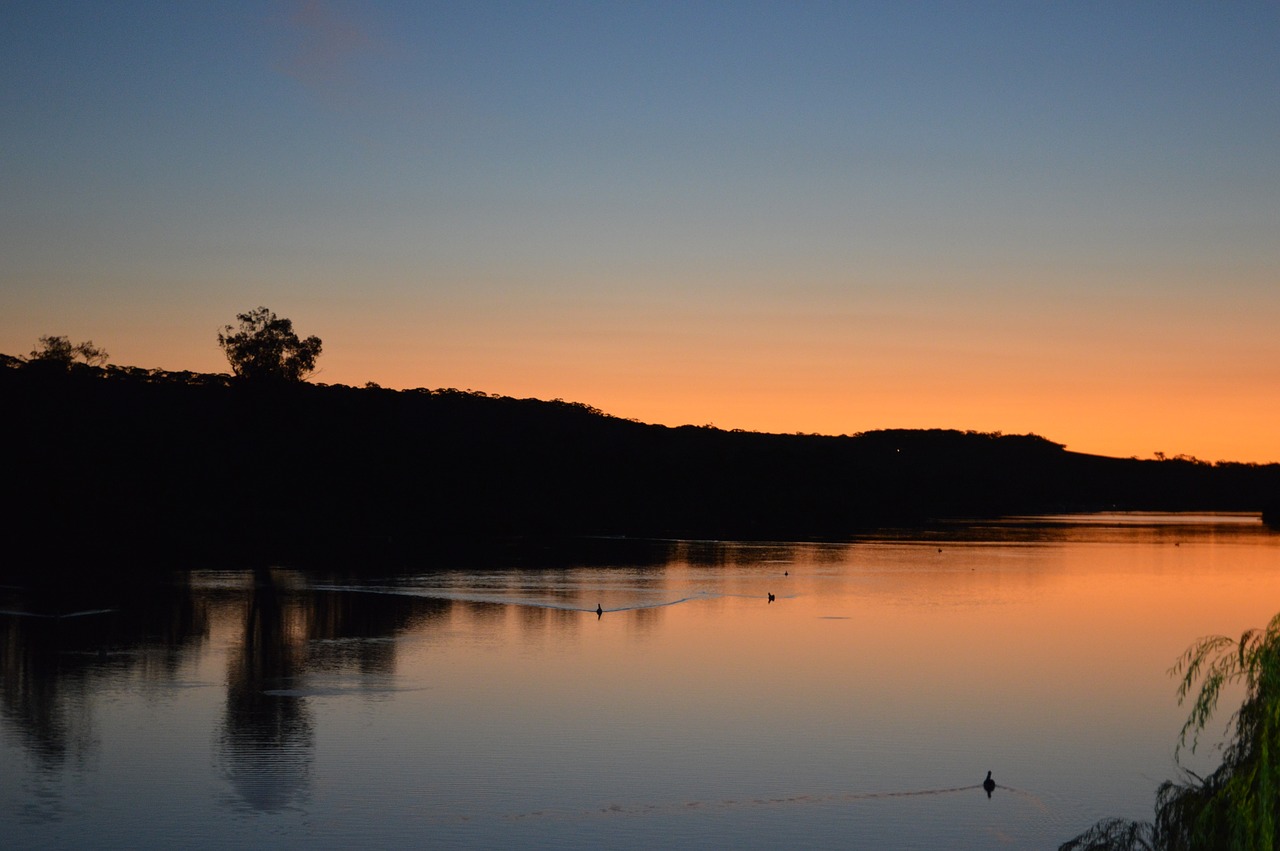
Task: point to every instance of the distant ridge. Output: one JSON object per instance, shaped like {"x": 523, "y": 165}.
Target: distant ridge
{"x": 120, "y": 463}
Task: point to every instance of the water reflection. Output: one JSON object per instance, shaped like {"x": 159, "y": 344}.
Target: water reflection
{"x": 60, "y": 648}
{"x": 64, "y": 655}
{"x": 267, "y": 740}
{"x": 298, "y": 644}
{"x": 494, "y": 707}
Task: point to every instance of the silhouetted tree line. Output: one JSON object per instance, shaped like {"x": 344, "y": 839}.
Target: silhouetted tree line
{"x": 123, "y": 464}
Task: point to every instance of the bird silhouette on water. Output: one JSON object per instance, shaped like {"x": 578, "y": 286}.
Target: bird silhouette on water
{"x": 599, "y": 611}
{"x": 770, "y": 597}
{"x": 989, "y": 784}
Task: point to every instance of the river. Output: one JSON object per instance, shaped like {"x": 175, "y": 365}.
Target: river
{"x": 731, "y": 695}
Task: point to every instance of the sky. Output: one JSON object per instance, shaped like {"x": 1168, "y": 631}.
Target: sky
{"x": 1060, "y": 218}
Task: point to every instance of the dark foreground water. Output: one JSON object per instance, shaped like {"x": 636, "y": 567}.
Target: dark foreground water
{"x": 862, "y": 707}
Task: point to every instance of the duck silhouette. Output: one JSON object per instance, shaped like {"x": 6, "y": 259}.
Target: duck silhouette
{"x": 599, "y": 611}
{"x": 771, "y": 598}
{"x": 989, "y": 784}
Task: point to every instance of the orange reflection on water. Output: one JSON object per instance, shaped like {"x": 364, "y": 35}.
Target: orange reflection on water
{"x": 877, "y": 663}
{"x": 493, "y": 708}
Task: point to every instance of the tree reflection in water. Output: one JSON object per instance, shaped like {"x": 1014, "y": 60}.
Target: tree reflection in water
{"x": 66, "y": 648}
{"x": 267, "y": 740}
{"x": 291, "y": 634}
{"x": 62, "y": 645}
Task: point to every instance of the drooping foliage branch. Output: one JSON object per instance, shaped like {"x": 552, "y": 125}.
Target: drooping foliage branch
{"x": 1235, "y": 808}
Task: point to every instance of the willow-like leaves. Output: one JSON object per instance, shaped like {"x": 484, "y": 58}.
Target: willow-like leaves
{"x": 1235, "y": 808}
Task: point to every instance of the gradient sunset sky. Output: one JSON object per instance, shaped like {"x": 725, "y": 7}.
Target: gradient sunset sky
{"x": 1049, "y": 217}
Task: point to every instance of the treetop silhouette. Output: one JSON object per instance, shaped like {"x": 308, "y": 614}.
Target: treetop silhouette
{"x": 265, "y": 348}
{"x": 58, "y": 349}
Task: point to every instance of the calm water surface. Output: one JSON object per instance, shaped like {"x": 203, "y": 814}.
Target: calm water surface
{"x": 862, "y": 707}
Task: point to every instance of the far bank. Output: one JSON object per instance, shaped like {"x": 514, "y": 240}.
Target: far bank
{"x": 125, "y": 464}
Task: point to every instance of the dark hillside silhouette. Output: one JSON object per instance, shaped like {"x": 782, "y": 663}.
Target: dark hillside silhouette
{"x": 122, "y": 464}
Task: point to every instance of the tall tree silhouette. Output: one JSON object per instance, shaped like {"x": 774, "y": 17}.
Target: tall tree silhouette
{"x": 265, "y": 347}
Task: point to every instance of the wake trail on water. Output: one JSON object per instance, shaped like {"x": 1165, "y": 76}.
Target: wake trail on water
{"x": 56, "y": 617}
{"x": 506, "y": 600}
{"x": 790, "y": 800}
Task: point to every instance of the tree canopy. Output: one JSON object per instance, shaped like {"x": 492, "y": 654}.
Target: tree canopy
{"x": 58, "y": 349}
{"x": 265, "y": 348}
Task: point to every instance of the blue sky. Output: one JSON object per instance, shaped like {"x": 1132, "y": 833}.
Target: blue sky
{"x": 1049, "y": 217}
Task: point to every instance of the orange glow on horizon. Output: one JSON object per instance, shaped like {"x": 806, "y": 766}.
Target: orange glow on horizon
{"x": 1164, "y": 379}
{"x": 1163, "y": 384}
{"x": 1110, "y": 421}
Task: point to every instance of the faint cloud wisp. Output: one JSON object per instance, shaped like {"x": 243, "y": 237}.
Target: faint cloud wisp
{"x": 325, "y": 49}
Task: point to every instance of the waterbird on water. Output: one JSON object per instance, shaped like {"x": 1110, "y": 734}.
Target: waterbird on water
{"x": 989, "y": 784}
{"x": 599, "y": 610}
{"x": 771, "y": 598}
